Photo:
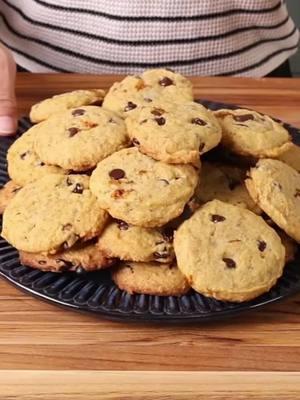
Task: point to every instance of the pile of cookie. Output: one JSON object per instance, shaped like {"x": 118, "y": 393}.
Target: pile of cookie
{"x": 151, "y": 184}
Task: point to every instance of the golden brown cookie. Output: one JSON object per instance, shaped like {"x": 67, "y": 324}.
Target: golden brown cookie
{"x": 136, "y": 189}
{"x": 134, "y": 243}
{"x": 157, "y": 85}
{"x": 51, "y": 213}
{"x": 275, "y": 186}
{"x": 228, "y": 252}
{"x": 84, "y": 258}
{"x": 174, "y": 133}
{"x": 150, "y": 278}
{"x": 250, "y": 133}
{"x": 225, "y": 183}
{"x": 24, "y": 165}
{"x": 78, "y": 98}
{"x": 80, "y": 137}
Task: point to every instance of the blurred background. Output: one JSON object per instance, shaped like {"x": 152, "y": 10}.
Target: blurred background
{"x": 294, "y": 7}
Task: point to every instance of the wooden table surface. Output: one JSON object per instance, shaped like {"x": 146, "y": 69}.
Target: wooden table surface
{"x": 36, "y": 337}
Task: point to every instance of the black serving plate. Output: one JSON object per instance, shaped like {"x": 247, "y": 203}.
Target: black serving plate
{"x": 95, "y": 292}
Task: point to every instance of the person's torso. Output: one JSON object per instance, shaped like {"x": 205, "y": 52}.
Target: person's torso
{"x": 228, "y": 37}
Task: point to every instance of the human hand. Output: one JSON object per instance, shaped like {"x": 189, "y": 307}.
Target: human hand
{"x": 8, "y": 114}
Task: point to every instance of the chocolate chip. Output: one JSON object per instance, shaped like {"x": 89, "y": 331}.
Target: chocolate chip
{"x": 42, "y": 262}
{"x": 143, "y": 122}
{"x": 297, "y": 193}
{"x": 217, "y": 218}
{"x": 78, "y": 112}
{"x": 67, "y": 227}
{"x": 233, "y": 183}
{"x": 23, "y": 155}
{"x": 135, "y": 142}
{"x": 41, "y": 164}
{"x": 160, "y": 121}
{"x": 157, "y": 111}
{"x": 166, "y": 81}
{"x": 73, "y": 131}
{"x": 198, "y": 121}
{"x": 78, "y": 188}
{"x": 130, "y": 267}
{"x": 130, "y": 106}
{"x": 168, "y": 234}
{"x": 201, "y": 147}
{"x": 69, "y": 182}
{"x": 244, "y": 118}
{"x": 164, "y": 254}
{"x": 122, "y": 225}
{"x": 229, "y": 262}
{"x": 261, "y": 245}
{"x": 117, "y": 174}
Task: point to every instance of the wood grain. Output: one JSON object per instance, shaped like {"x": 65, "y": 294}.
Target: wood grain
{"x": 35, "y": 335}
{"x": 82, "y": 385}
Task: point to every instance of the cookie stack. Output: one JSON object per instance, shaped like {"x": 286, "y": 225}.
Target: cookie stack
{"x": 167, "y": 194}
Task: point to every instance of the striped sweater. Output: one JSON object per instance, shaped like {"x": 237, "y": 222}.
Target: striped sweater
{"x": 194, "y": 37}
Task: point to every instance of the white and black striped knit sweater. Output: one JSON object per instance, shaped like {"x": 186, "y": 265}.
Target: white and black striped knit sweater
{"x": 195, "y": 37}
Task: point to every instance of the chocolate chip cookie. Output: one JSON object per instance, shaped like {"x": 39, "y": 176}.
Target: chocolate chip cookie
{"x": 84, "y": 258}
{"x": 225, "y": 183}
{"x": 275, "y": 186}
{"x": 52, "y": 213}
{"x": 153, "y": 85}
{"x": 23, "y": 163}
{"x": 134, "y": 243}
{"x": 228, "y": 252}
{"x": 80, "y": 137}
{"x": 174, "y": 133}
{"x": 136, "y": 189}
{"x": 150, "y": 278}
{"x": 250, "y": 133}
{"x": 78, "y": 98}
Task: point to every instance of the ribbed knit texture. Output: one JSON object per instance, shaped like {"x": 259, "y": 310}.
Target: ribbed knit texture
{"x": 195, "y": 37}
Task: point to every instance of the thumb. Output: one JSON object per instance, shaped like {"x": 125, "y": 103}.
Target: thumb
{"x": 8, "y": 120}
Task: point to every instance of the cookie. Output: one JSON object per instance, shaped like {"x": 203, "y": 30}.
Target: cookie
{"x": 154, "y": 85}
{"x": 225, "y": 183}
{"x": 228, "y": 252}
{"x": 275, "y": 186}
{"x": 174, "y": 133}
{"x": 135, "y": 243}
{"x": 78, "y": 98}
{"x": 250, "y": 133}
{"x": 291, "y": 157}
{"x": 7, "y": 192}
{"x": 150, "y": 278}
{"x": 79, "y": 138}
{"x": 53, "y": 213}
{"x": 136, "y": 189}
{"x": 23, "y": 163}
{"x": 84, "y": 258}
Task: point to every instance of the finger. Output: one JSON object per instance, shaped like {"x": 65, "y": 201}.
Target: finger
{"x": 8, "y": 120}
